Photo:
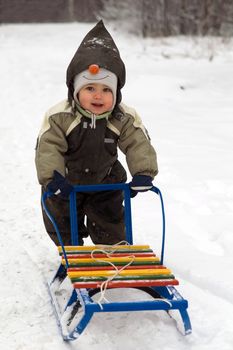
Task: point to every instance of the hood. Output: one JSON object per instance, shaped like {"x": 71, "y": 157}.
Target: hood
{"x": 97, "y": 47}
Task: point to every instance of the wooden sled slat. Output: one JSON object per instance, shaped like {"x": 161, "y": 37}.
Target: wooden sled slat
{"x": 127, "y": 284}
{"x": 93, "y": 268}
{"x": 121, "y": 278}
{"x": 98, "y": 255}
{"x": 107, "y": 248}
{"x": 72, "y": 263}
{"x": 114, "y": 259}
{"x": 131, "y": 272}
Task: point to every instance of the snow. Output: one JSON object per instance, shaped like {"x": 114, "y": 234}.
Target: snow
{"x": 182, "y": 88}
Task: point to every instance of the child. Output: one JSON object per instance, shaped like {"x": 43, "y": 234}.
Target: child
{"x": 78, "y": 143}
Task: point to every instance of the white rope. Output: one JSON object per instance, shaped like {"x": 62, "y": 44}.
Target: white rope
{"x": 107, "y": 246}
{"x": 104, "y": 284}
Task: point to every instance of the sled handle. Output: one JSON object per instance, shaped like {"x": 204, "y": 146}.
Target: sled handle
{"x": 157, "y": 190}
{"x": 73, "y": 211}
{"x": 43, "y": 201}
{"x": 102, "y": 187}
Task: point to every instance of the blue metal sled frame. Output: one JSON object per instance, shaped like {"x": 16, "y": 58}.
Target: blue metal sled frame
{"x": 164, "y": 298}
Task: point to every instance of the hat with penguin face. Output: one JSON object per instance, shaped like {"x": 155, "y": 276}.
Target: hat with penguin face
{"x": 99, "y": 50}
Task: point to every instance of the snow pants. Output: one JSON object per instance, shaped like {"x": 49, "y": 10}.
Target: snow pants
{"x": 100, "y": 215}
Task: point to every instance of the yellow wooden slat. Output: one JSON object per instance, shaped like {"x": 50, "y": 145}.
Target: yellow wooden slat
{"x": 103, "y": 247}
{"x": 124, "y": 259}
{"x": 139, "y": 272}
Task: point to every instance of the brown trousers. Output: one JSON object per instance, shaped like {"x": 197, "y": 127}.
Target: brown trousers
{"x": 104, "y": 213}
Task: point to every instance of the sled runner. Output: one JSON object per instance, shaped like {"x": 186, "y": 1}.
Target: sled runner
{"x": 90, "y": 271}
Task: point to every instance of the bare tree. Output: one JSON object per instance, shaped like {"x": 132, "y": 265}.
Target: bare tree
{"x": 151, "y": 18}
{"x": 172, "y": 17}
{"x": 49, "y": 11}
{"x": 226, "y": 17}
{"x": 85, "y": 10}
{"x": 125, "y": 13}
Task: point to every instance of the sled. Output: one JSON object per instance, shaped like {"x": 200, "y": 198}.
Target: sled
{"x": 86, "y": 272}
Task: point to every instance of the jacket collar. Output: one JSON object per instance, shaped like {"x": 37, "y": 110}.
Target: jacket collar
{"x": 90, "y": 115}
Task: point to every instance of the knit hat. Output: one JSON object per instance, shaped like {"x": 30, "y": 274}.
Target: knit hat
{"x": 97, "y": 48}
{"x": 97, "y": 75}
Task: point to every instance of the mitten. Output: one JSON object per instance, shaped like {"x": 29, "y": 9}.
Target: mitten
{"x": 59, "y": 185}
{"x": 140, "y": 183}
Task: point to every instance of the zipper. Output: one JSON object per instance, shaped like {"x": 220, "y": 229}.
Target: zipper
{"x": 93, "y": 121}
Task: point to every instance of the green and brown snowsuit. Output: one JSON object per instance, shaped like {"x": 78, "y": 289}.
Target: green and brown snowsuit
{"x": 86, "y": 155}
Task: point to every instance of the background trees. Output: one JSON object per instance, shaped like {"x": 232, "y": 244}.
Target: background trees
{"x": 149, "y": 18}
{"x": 172, "y": 17}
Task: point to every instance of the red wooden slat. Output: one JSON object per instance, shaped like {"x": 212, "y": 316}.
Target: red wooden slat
{"x": 127, "y": 284}
{"x": 99, "y": 255}
{"x": 135, "y": 267}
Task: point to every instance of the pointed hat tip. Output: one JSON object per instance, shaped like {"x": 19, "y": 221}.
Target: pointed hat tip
{"x": 100, "y": 23}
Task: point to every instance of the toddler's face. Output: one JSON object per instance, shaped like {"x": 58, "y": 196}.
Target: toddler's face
{"x": 96, "y": 98}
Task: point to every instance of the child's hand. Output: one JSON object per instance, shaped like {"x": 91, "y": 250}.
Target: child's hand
{"x": 140, "y": 183}
{"x": 60, "y": 186}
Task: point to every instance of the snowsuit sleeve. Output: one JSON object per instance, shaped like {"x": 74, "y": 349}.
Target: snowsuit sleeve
{"x": 135, "y": 143}
{"x": 50, "y": 150}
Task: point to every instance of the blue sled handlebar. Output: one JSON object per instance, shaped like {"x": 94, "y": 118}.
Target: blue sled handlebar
{"x": 102, "y": 187}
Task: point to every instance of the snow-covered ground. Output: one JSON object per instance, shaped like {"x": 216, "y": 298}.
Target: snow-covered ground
{"x": 183, "y": 90}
